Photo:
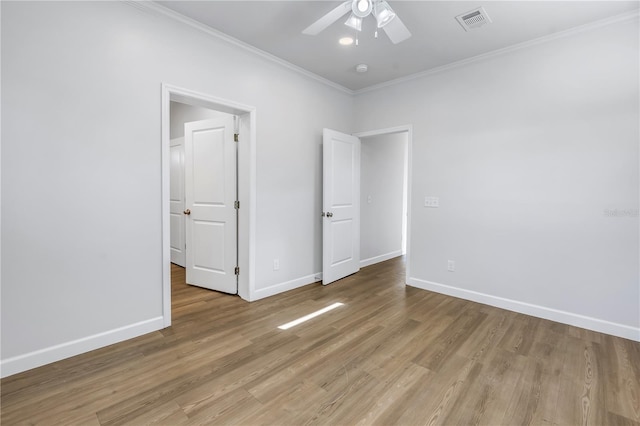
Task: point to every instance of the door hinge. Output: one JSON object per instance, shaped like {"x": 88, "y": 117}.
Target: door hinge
{"x": 235, "y": 137}
{"x": 236, "y": 204}
{"x": 237, "y": 270}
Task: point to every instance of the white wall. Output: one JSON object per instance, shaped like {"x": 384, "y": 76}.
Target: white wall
{"x": 183, "y": 113}
{"x": 527, "y": 150}
{"x": 382, "y": 173}
{"x": 81, "y": 185}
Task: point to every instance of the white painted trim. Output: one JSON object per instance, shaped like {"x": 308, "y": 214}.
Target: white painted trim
{"x": 478, "y": 58}
{"x": 0, "y": 183}
{"x": 248, "y": 201}
{"x": 564, "y": 317}
{"x": 55, "y": 353}
{"x": 247, "y": 195}
{"x": 381, "y": 258}
{"x": 387, "y": 131}
{"x": 165, "y": 160}
{"x": 153, "y": 6}
{"x": 285, "y": 286}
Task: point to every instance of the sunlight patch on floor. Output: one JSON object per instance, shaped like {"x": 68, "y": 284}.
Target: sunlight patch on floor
{"x": 311, "y": 315}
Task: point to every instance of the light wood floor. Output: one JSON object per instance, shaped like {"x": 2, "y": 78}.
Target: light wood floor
{"x": 391, "y": 355}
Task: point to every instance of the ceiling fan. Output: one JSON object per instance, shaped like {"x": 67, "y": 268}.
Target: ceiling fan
{"x": 385, "y": 17}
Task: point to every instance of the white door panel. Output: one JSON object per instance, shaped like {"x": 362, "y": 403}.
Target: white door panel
{"x": 342, "y": 169}
{"x": 209, "y": 167}
{"x": 341, "y": 206}
{"x": 208, "y": 249}
{"x": 210, "y": 193}
{"x": 342, "y": 249}
{"x": 176, "y": 202}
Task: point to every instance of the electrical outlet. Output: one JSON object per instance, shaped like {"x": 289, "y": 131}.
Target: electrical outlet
{"x": 433, "y": 202}
{"x": 451, "y": 265}
{"x": 276, "y": 264}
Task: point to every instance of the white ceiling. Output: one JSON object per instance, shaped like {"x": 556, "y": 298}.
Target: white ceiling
{"x": 438, "y": 40}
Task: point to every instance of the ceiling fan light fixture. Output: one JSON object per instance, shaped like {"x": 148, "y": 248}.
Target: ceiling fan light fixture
{"x": 346, "y": 41}
{"x": 361, "y": 8}
{"x": 354, "y": 22}
{"x": 383, "y": 13}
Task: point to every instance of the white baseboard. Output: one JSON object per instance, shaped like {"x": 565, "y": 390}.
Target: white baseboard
{"x": 55, "y": 353}
{"x": 381, "y": 258}
{"x": 285, "y": 286}
{"x": 564, "y": 317}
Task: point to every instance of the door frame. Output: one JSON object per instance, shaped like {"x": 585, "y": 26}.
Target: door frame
{"x": 246, "y": 187}
{"x": 408, "y": 128}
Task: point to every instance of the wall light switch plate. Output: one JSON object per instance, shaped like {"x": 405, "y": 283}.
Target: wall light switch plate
{"x": 432, "y": 202}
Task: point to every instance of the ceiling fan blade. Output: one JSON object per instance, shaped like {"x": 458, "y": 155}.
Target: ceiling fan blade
{"x": 328, "y": 19}
{"x": 396, "y": 30}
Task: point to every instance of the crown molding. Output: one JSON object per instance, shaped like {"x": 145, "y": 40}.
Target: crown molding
{"x": 162, "y": 10}
{"x": 628, "y": 16}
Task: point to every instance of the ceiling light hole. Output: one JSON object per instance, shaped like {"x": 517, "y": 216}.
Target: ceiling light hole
{"x": 362, "y": 68}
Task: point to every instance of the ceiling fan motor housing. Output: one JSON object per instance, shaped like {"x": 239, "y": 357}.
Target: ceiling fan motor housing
{"x": 361, "y": 8}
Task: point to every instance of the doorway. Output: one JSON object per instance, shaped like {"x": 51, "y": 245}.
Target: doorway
{"x": 181, "y": 114}
{"x": 245, "y": 185}
{"x": 388, "y": 220}
{"x": 385, "y": 201}
{"x": 204, "y": 195}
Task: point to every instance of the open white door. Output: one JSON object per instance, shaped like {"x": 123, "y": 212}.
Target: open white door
{"x": 210, "y": 195}
{"x": 176, "y": 202}
{"x": 341, "y": 205}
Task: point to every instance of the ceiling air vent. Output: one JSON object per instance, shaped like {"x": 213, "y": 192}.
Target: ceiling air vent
{"x": 473, "y": 19}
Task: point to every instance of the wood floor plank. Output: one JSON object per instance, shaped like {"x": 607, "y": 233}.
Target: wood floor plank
{"x": 228, "y": 406}
{"x": 343, "y": 396}
{"x": 395, "y": 387}
{"x": 581, "y": 397}
{"x": 169, "y": 413}
{"x": 391, "y": 354}
{"x": 618, "y": 420}
{"x": 526, "y": 400}
{"x": 430, "y": 402}
{"x": 450, "y": 340}
{"x": 488, "y": 397}
{"x": 519, "y": 338}
{"x": 623, "y": 398}
{"x": 549, "y": 353}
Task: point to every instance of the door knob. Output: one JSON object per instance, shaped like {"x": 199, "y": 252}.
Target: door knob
{"x": 187, "y": 212}
{"x": 329, "y": 214}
